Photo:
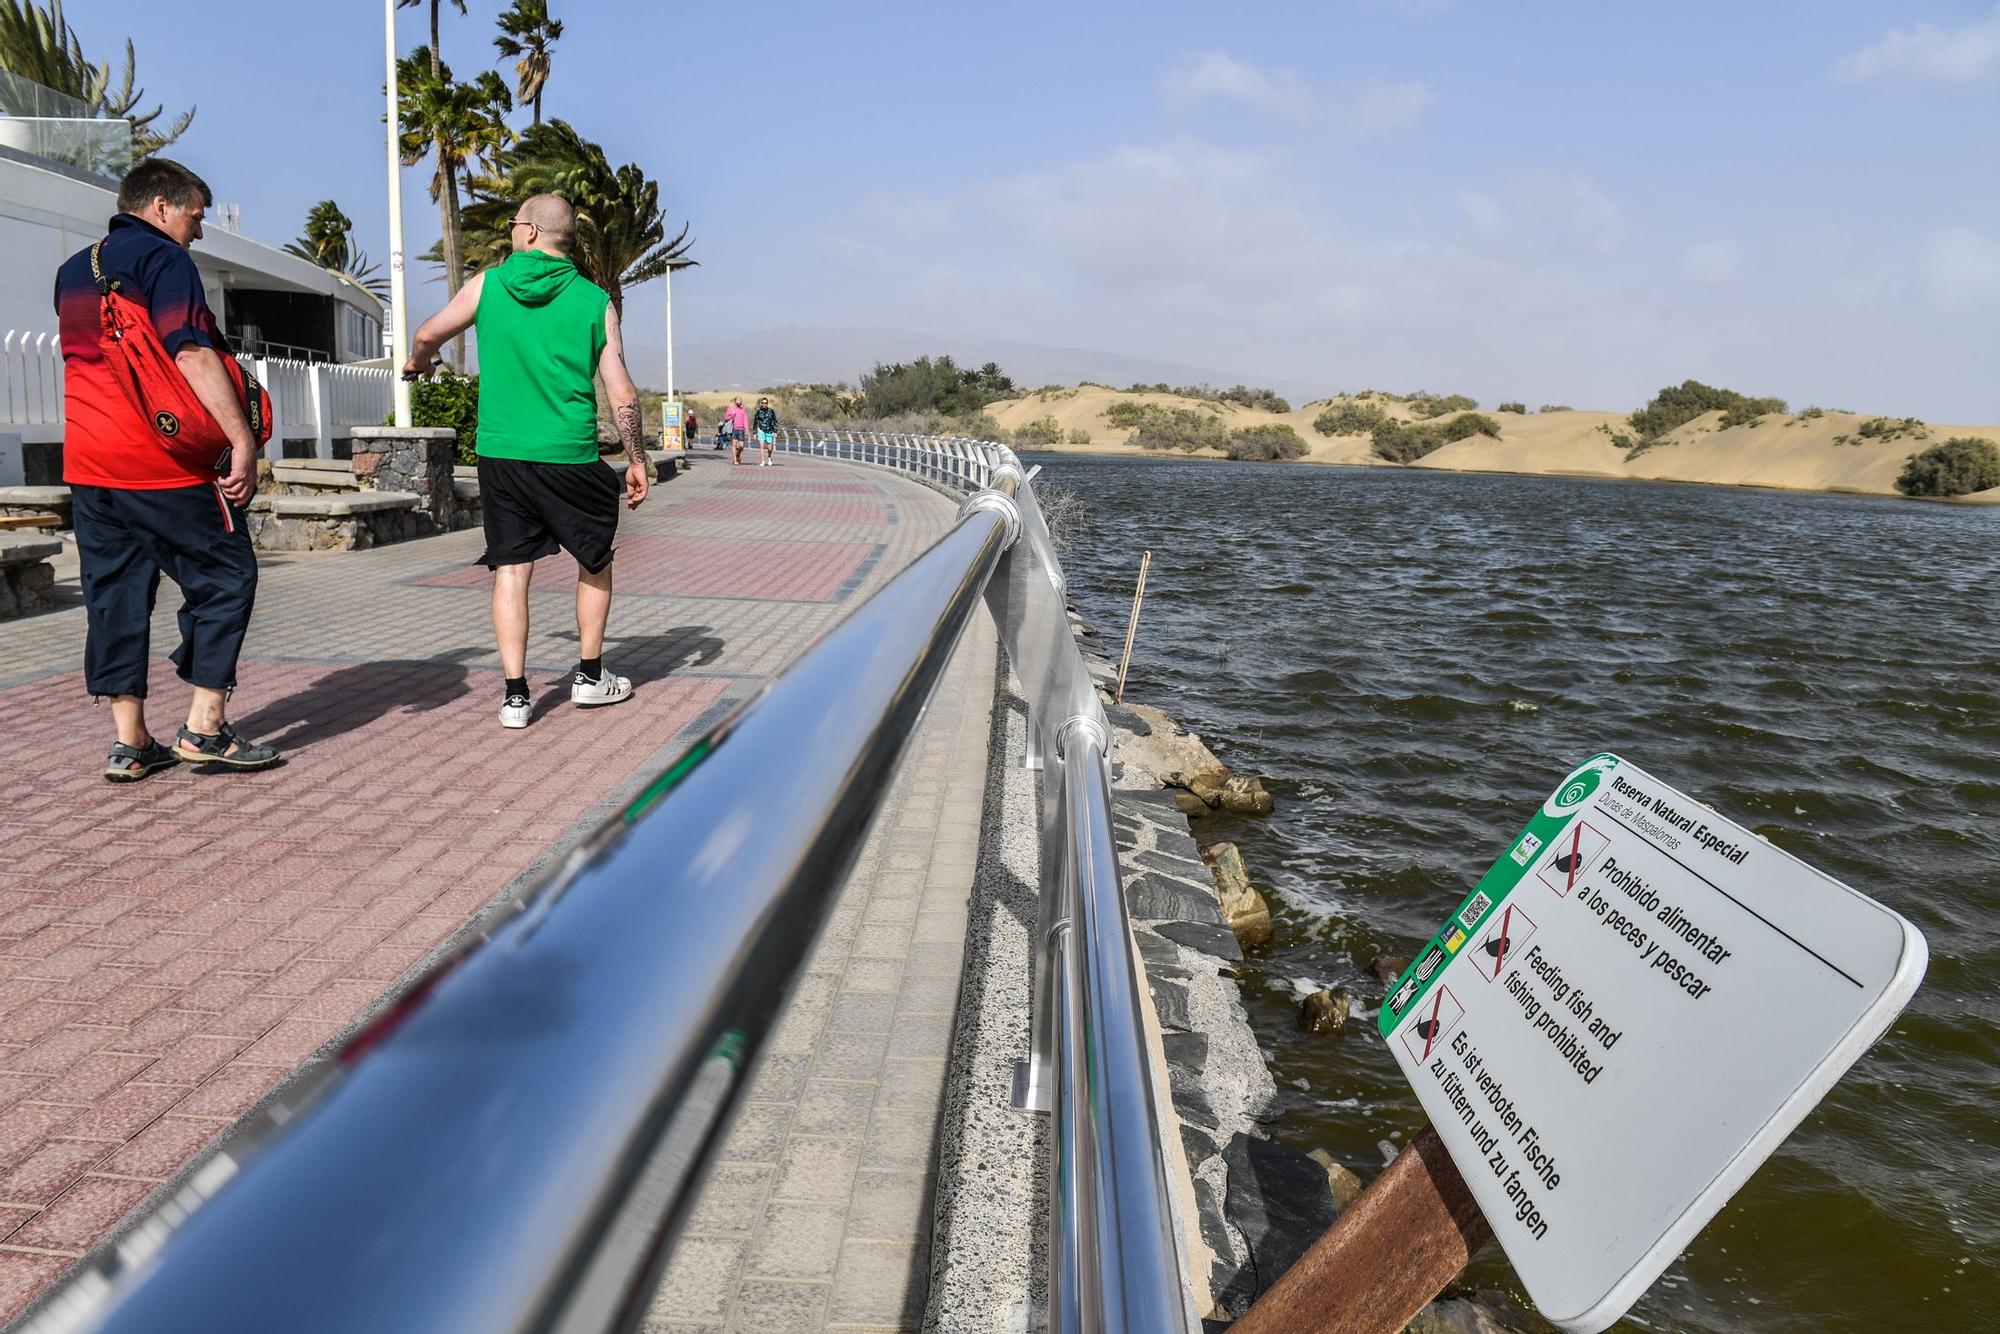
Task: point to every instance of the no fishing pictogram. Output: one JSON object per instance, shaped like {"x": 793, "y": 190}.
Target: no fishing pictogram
{"x": 1570, "y": 855}
{"x": 1503, "y": 942}
{"x": 1433, "y": 1023}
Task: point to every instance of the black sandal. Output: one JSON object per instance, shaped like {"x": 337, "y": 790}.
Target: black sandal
{"x": 150, "y": 759}
{"x": 216, "y": 748}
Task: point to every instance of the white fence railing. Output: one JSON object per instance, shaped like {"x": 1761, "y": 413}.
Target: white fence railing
{"x": 310, "y": 401}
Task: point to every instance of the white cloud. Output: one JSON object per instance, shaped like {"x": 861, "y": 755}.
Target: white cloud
{"x": 1218, "y": 74}
{"x": 1959, "y": 270}
{"x": 1376, "y": 106}
{"x": 1713, "y": 263}
{"x": 1540, "y": 286}
{"x": 1929, "y": 54}
{"x": 1371, "y": 106}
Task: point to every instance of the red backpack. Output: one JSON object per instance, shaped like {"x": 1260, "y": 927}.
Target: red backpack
{"x": 155, "y": 387}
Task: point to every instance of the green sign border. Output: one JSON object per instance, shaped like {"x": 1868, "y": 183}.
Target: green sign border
{"x": 1545, "y": 827}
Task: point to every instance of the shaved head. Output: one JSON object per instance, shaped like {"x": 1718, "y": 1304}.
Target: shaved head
{"x": 553, "y": 218}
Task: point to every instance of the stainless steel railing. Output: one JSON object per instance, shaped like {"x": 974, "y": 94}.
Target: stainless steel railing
{"x": 514, "y": 1143}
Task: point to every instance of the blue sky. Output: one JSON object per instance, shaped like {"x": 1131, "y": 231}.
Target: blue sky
{"x": 1570, "y": 202}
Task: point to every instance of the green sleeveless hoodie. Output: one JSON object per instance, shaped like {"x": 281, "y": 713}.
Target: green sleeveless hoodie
{"x": 541, "y": 331}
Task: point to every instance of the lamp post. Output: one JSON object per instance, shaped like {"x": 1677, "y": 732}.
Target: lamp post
{"x": 399, "y": 292}
{"x": 670, "y": 411}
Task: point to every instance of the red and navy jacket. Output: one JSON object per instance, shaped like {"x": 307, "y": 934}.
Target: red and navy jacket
{"x": 105, "y": 440}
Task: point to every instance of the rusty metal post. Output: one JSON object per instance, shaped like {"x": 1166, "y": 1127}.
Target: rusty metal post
{"x": 1385, "y": 1258}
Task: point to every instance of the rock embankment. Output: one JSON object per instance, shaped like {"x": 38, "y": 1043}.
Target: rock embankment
{"x": 1258, "y": 1204}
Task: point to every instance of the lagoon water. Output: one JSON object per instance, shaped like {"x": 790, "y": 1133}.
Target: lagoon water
{"x": 1412, "y": 659}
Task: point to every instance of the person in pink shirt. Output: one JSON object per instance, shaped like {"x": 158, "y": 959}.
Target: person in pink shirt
{"x": 738, "y": 422}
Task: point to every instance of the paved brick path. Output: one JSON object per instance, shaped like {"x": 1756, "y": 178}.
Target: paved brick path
{"x": 170, "y": 951}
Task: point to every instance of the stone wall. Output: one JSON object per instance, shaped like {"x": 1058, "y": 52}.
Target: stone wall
{"x": 416, "y": 459}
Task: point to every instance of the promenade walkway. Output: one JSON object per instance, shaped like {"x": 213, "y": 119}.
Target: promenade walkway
{"x": 172, "y": 951}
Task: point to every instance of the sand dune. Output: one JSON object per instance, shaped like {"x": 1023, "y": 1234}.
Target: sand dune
{"x": 1786, "y": 452}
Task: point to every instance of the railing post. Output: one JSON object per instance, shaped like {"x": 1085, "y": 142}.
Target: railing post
{"x": 321, "y": 381}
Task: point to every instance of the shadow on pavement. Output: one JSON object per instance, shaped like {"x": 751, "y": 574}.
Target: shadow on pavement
{"x": 643, "y": 658}
{"x": 351, "y": 697}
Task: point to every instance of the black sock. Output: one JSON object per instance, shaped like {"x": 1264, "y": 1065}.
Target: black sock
{"x": 590, "y": 669}
{"x": 517, "y": 685}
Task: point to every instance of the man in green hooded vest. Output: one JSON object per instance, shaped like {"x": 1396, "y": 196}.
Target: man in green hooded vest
{"x": 544, "y": 330}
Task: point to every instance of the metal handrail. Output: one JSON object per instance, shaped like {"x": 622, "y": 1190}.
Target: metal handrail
{"x": 516, "y": 1141}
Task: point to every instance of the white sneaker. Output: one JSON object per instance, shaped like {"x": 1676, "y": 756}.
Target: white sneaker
{"x": 514, "y": 711}
{"x": 606, "y": 689}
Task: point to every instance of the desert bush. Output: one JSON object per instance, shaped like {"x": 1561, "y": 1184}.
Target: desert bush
{"x": 1040, "y": 431}
{"x": 1468, "y": 424}
{"x": 1179, "y": 428}
{"x": 1272, "y": 441}
{"x": 1740, "y": 414}
{"x": 1809, "y": 413}
{"x": 1433, "y": 405}
{"x": 1555, "y": 407}
{"x": 1078, "y": 436}
{"x": 1250, "y": 396}
{"x": 1958, "y": 467}
{"x": 1125, "y": 414}
{"x": 449, "y": 399}
{"x": 1676, "y": 405}
{"x": 813, "y": 404}
{"x": 925, "y": 385}
{"x": 1063, "y": 512}
{"x": 1055, "y": 393}
{"x": 1512, "y": 407}
{"x": 1349, "y": 419}
{"x": 1405, "y": 442}
{"x": 1892, "y": 428}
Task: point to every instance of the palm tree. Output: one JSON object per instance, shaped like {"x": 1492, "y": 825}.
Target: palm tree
{"x": 621, "y": 230}
{"x": 328, "y": 241}
{"x": 437, "y": 53}
{"x": 462, "y": 126}
{"x": 526, "y": 34}
{"x": 38, "y": 45}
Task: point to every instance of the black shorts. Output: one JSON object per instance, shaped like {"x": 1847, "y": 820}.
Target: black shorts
{"x": 530, "y": 509}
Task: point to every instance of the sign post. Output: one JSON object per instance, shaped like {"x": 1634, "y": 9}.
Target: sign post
{"x": 1626, "y": 1016}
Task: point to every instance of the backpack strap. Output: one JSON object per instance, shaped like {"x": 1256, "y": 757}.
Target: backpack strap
{"x": 106, "y": 284}
{"x": 253, "y": 402}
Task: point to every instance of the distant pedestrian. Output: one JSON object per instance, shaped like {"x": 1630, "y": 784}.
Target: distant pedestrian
{"x": 544, "y": 331}
{"x": 161, "y": 459}
{"x": 690, "y": 429}
{"x": 738, "y": 423}
{"x": 766, "y": 426}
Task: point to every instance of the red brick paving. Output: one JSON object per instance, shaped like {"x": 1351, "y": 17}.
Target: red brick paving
{"x": 171, "y": 950}
{"x": 703, "y": 567}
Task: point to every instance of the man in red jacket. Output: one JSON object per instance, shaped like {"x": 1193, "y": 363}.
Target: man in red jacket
{"x": 141, "y": 511}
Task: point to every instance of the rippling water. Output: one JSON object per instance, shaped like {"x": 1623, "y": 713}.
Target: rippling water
{"x": 1412, "y": 659}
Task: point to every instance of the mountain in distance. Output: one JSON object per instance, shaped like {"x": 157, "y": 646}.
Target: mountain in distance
{"x": 832, "y": 355}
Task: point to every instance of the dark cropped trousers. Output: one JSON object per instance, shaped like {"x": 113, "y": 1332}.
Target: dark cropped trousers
{"x": 126, "y": 540}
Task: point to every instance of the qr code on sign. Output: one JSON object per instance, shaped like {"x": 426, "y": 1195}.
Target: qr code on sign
{"x": 1469, "y": 916}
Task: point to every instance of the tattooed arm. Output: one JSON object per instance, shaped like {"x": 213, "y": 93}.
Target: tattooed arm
{"x": 624, "y": 396}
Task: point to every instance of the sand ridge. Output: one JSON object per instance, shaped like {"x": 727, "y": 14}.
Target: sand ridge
{"x": 1781, "y": 451}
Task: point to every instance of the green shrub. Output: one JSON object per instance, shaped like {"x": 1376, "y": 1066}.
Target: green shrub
{"x": 813, "y": 404}
{"x": 1041, "y": 431}
{"x": 1431, "y": 405}
{"x": 925, "y": 385}
{"x": 449, "y": 399}
{"x": 1513, "y": 407}
{"x": 1555, "y": 407}
{"x": 1272, "y": 441}
{"x": 1405, "y": 442}
{"x": 1958, "y": 467}
{"x": 1248, "y": 396}
{"x": 1676, "y": 405}
{"x": 1079, "y": 436}
{"x": 1808, "y": 414}
{"x": 1349, "y": 419}
{"x": 1468, "y": 424}
{"x": 1740, "y": 414}
{"x": 1888, "y": 428}
{"x": 1179, "y": 428}
{"x": 1125, "y": 414}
